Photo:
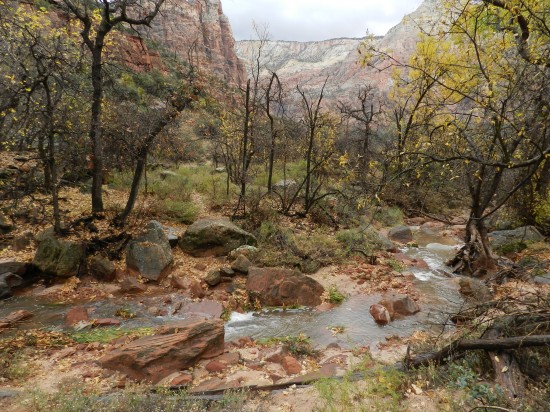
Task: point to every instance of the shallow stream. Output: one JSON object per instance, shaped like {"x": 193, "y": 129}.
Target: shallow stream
{"x": 439, "y": 296}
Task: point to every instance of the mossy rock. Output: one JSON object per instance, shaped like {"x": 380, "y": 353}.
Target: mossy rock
{"x": 214, "y": 237}
{"x": 59, "y": 257}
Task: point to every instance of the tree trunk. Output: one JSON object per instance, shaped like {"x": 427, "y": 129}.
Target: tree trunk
{"x": 95, "y": 130}
{"x": 476, "y": 257}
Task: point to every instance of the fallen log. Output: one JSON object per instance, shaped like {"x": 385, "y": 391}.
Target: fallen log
{"x": 507, "y": 372}
{"x": 459, "y": 346}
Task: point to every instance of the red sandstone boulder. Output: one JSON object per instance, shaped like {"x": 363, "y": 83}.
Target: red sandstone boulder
{"x": 176, "y": 347}
{"x": 399, "y": 305}
{"x": 380, "y": 314}
{"x": 75, "y": 315}
{"x": 283, "y": 287}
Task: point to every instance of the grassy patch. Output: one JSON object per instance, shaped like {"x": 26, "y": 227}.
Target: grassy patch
{"x": 335, "y": 296}
{"x": 365, "y": 239}
{"x": 139, "y": 398}
{"x": 105, "y": 335}
{"x": 297, "y": 345}
{"x": 14, "y": 366}
{"x": 380, "y": 390}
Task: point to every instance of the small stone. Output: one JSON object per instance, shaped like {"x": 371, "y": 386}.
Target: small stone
{"x": 291, "y": 365}
{"x": 241, "y": 264}
{"x": 130, "y": 285}
{"x": 227, "y": 271}
{"x": 215, "y": 366}
{"x": 213, "y": 278}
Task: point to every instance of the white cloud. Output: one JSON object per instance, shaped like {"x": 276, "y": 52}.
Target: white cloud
{"x": 308, "y": 20}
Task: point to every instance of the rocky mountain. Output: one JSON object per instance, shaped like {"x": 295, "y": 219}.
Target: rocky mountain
{"x": 199, "y": 32}
{"x": 309, "y": 63}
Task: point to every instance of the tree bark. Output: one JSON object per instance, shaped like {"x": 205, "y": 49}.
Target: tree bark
{"x": 460, "y": 346}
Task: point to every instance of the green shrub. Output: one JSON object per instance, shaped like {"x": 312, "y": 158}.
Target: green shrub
{"x": 367, "y": 240}
{"x": 389, "y": 216}
{"x": 297, "y": 345}
{"x": 182, "y": 211}
{"x": 335, "y": 296}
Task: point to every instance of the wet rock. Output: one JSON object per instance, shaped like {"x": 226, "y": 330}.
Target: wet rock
{"x": 14, "y": 317}
{"x": 150, "y": 254}
{"x": 380, "y": 314}
{"x": 499, "y": 239}
{"x": 7, "y": 282}
{"x": 102, "y": 268}
{"x": 213, "y": 278}
{"x": 176, "y": 347}
{"x": 401, "y": 234}
{"x": 130, "y": 285}
{"x": 22, "y": 241}
{"x": 210, "y": 309}
{"x": 475, "y": 289}
{"x": 291, "y": 365}
{"x": 214, "y": 237}
{"x": 241, "y": 264}
{"x": 399, "y": 305}
{"x": 105, "y": 322}
{"x": 283, "y": 287}
{"x": 75, "y": 315}
{"x": 61, "y": 258}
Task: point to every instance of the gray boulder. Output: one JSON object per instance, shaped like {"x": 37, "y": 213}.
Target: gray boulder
{"x": 102, "y": 268}
{"x": 287, "y": 184}
{"x": 150, "y": 254}
{"x": 241, "y": 264}
{"x": 214, "y": 237}
{"x": 401, "y": 234}
{"x": 7, "y": 282}
{"x": 501, "y": 238}
{"x": 61, "y": 258}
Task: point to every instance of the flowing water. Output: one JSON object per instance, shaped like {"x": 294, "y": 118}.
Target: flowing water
{"x": 439, "y": 296}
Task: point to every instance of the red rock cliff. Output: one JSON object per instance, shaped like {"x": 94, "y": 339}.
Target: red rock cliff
{"x": 197, "y": 31}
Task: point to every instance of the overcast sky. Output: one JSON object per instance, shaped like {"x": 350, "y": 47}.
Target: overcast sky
{"x": 308, "y": 20}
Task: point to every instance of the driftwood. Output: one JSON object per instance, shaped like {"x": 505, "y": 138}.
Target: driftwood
{"x": 459, "y": 346}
